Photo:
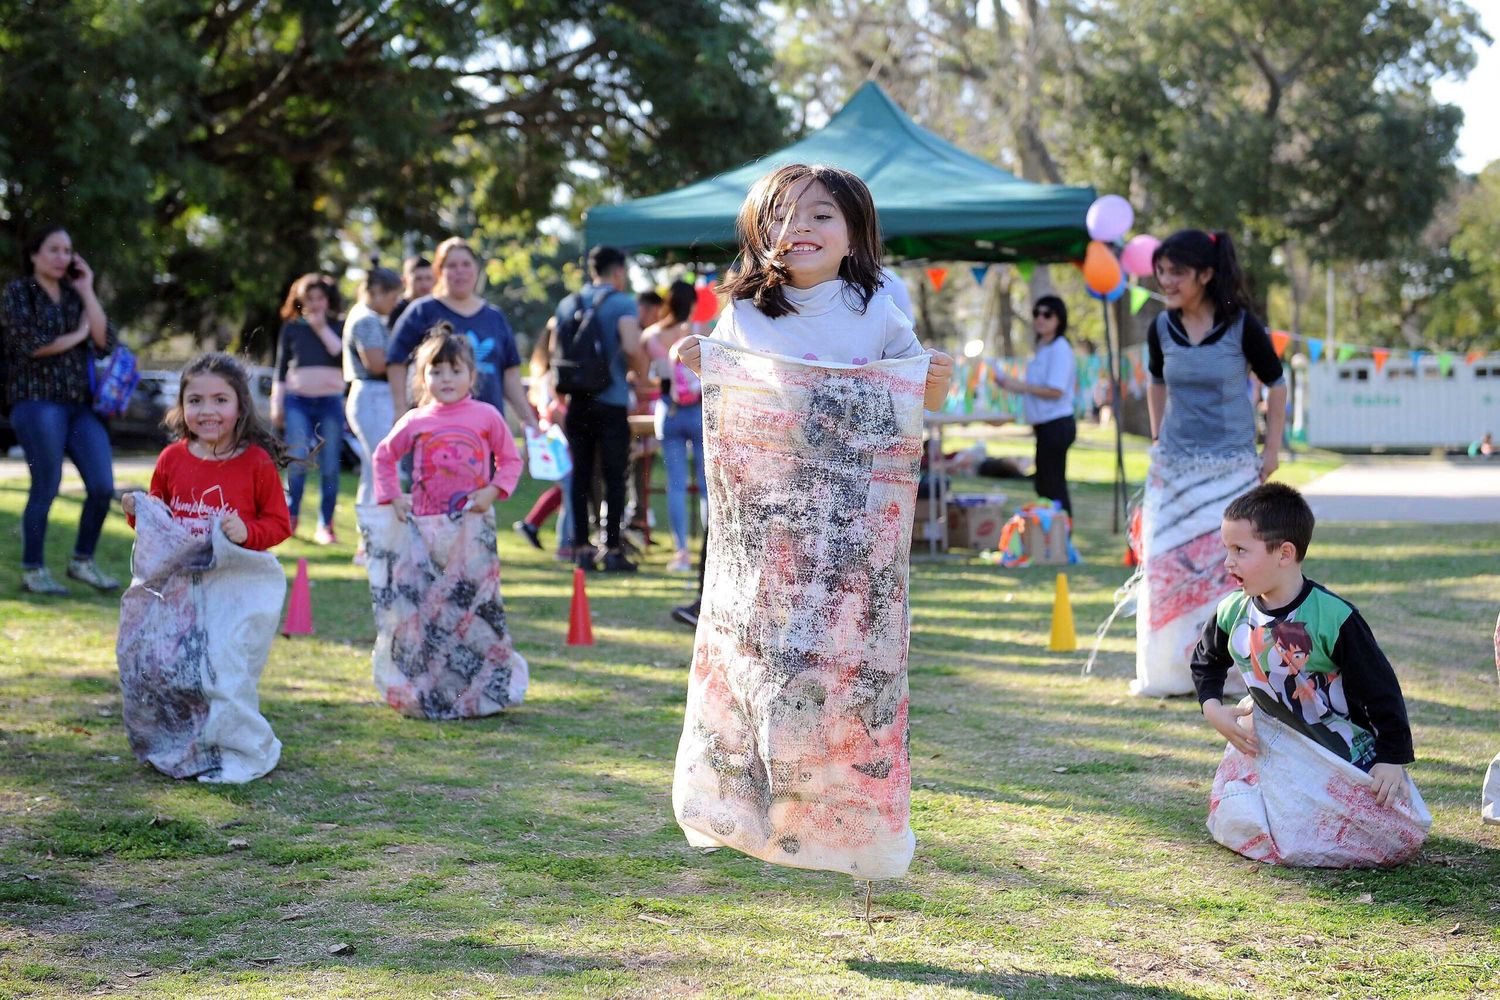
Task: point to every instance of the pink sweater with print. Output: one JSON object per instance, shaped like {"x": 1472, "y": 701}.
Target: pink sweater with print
{"x": 454, "y": 447}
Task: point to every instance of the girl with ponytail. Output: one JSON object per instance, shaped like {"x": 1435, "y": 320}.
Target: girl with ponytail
{"x": 1202, "y": 349}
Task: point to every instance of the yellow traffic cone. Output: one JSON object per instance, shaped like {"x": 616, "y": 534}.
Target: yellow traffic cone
{"x": 1064, "y": 636}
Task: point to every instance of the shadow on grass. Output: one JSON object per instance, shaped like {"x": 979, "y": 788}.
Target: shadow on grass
{"x": 1013, "y": 986}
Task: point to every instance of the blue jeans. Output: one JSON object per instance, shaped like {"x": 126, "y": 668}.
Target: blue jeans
{"x": 309, "y": 418}
{"x": 681, "y": 425}
{"x": 48, "y": 431}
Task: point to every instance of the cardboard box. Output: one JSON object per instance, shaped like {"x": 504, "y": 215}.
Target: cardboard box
{"x": 1048, "y": 549}
{"x": 975, "y": 525}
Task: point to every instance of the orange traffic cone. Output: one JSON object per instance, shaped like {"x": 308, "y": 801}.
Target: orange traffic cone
{"x": 299, "y": 608}
{"x": 580, "y": 622}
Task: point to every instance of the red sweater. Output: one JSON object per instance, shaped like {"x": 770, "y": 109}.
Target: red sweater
{"x": 198, "y": 490}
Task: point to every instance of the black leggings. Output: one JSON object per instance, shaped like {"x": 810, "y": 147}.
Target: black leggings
{"x": 1053, "y": 439}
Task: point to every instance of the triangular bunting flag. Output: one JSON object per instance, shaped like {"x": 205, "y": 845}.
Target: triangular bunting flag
{"x": 1381, "y": 355}
{"x": 979, "y": 273}
{"x": 937, "y": 275}
{"x": 1345, "y": 353}
{"x": 1279, "y": 340}
{"x": 1138, "y": 299}
{"x": 1126, "y": 368}
{"x": 1314, "y": 348}
{"x": 1445, "y": 363}
{"x": 1473, "y": 356}
{"x": 1025, "y": 269}
{"x": 1416, "y": 361}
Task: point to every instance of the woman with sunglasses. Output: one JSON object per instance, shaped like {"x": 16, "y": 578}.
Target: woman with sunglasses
{"x": 1047, "y": 403}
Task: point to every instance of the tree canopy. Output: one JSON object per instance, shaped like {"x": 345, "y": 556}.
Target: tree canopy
{"x": 204, "y": 152}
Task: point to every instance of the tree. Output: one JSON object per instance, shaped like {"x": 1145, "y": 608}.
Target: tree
{"x": 215, "y": 148}
{"x": 1279, "y": 120}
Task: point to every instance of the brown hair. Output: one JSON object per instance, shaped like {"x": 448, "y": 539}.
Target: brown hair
{"x": 380, "y": 279}
{"x": 1277, "y": 513}
{"x": 448, "y": 246}
{"x": 1291, "y": 635}
{"x": 248, "y": 427}
{"x": 292, "y": 307}
{"x": 761, "y": 273}
{"x": 442, "y": 344}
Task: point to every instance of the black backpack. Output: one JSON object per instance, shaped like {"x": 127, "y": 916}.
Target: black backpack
{"x": 578, "y": 355}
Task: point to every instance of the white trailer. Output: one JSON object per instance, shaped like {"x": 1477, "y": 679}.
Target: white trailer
{"x": 1349, "y": 404}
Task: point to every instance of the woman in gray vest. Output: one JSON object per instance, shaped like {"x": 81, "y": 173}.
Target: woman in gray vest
{"x": 1202, "y": 349}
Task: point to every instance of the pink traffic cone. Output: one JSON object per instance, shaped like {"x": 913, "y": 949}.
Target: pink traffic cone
{"x": 299, "y": 608}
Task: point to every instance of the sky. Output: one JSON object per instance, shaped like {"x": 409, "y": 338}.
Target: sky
{"x": 1479, "y": 142}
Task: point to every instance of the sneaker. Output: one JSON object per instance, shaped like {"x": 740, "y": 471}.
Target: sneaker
{"x": 615, "y": 562}
{"x": 583, "y": 558}
{"x": 564, "y": 554}
{"x": 40, "y": 581}
{"x": 682, "y": 562}
{"x": 324, "y": 535}
{"x": 530, "y": 533}
{"x": 87, "y": 571}
{"x": 687, "y": 614}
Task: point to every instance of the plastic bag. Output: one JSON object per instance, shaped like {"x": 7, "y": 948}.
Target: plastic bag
{"x": 547, "y": 454}
{"x": 196, "y": 627}
{"x": 1295, "y": 803}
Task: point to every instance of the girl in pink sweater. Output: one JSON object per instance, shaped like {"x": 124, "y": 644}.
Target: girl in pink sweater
{"x": 464, "y": 457}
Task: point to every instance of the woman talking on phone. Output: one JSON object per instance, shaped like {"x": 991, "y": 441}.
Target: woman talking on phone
{"x": 53, "y": 326}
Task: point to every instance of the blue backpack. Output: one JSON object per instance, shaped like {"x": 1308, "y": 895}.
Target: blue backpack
{"x": 112, "y": 380}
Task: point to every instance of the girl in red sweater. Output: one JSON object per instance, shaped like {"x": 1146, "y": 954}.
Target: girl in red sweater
{"x": 225, "y": 461}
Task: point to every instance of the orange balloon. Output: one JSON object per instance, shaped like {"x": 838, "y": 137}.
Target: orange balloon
{"x": 1101, "y": 271}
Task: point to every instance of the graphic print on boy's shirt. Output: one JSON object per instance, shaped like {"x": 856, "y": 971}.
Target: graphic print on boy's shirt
{"x": 1276, "y": 657}
{"x": 447, "y": 465}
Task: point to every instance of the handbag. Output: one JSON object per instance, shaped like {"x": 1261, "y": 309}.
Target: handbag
{"x": 112, "y": 380}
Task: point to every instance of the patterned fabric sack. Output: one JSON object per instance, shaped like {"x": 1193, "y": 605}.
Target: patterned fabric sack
{"x": 794, "y": 747}
{"x": 196, "y": 627}
{"x": 1489, "y": 803}
{"x": 1296, "y": 803}
{"x": 442, "y": 650}
{"x": 1182, "y": 577}
{"x": 112, "y": 380}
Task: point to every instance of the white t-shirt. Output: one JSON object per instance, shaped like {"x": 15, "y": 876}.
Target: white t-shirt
{"x": 1053, "y": 366}
{"x": 892, "y": 285}
{"x": 825, "y": 327}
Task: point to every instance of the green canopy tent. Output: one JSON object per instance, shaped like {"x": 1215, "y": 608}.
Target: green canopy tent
{"x": 936, "y": 202}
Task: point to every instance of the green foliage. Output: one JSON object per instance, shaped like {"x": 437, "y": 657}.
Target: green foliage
{"x": 1282, "y": 121}
{"x": 206, "y": 153}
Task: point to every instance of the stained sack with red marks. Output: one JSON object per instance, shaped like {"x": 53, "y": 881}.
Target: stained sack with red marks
{"x": 1295, "y": 803}
{"x": 794, "y": 746}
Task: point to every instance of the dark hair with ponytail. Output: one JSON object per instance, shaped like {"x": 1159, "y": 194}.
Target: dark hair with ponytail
{"x": 1203, "y": 251}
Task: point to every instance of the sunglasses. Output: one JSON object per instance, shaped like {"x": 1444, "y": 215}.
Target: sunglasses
{"x": 1043, "y": 313}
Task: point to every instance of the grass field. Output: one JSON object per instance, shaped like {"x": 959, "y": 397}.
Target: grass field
{"x": 1060, "y": 842}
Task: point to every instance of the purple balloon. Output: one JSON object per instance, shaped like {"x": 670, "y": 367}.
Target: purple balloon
{"x": 1109, "y": 218}
{"x": 1136, "y": 257}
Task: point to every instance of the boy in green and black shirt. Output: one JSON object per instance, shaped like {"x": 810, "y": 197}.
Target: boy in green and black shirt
{"x": 1307, "y": 656}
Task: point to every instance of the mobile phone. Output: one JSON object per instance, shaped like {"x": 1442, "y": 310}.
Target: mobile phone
{"x": 73, "y": 272}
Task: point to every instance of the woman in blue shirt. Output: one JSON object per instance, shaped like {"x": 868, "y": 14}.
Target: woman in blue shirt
{"x": 455, "y": 299}
{"x": 1051, "y": 380}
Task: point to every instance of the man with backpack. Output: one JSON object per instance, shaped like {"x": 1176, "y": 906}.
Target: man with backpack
{"x": 597, "y": 336}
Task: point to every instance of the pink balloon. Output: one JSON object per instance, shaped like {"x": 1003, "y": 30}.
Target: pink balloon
{"x": 1136, "y": 257}
{"x": 1109, "y": 218}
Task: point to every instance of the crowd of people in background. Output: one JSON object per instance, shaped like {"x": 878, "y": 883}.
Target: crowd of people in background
{"x": 353, "y": 370}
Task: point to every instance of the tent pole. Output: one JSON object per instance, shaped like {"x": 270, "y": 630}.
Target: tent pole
{"x": 1116, "y": 361}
